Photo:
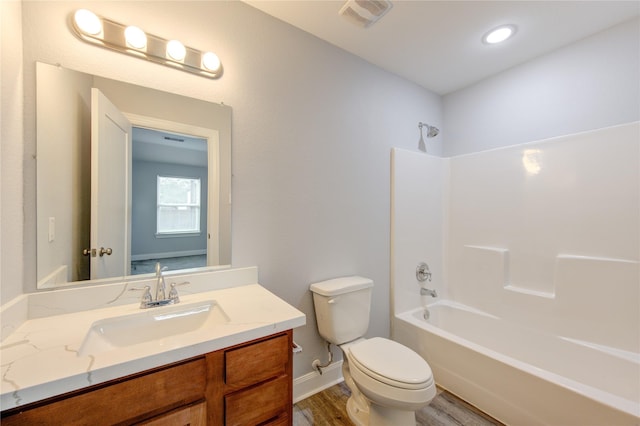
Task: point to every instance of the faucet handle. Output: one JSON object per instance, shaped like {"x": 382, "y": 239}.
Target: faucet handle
{"x": 146, "y": 298}
{"x": 422, "y": 272}
{"x": 173, "y": 293}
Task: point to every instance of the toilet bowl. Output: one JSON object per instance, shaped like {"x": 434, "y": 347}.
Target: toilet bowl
{"x": 393, "y": 379}
{"x": 388, "y": 381}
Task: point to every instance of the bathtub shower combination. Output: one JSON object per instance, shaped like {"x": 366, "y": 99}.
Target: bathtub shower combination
{"x": 534, "y": 252}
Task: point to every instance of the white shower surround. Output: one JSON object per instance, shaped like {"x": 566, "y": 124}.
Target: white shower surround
{"x": 544, "y": 236}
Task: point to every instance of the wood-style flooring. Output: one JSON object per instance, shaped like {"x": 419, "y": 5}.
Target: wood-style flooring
{"x": 148, "y": 266}
{"x": 329, "y": 408}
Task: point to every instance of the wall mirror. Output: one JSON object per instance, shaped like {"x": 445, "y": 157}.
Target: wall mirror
{"x": 127, "y": 176}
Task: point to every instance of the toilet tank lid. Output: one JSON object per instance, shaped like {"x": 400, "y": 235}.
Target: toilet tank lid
{"x": 341, "y": 285}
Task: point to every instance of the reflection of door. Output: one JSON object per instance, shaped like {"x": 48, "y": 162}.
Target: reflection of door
{"x": 110, "y": 188}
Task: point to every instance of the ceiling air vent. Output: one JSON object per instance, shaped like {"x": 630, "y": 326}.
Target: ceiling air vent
{"x": 364, "y": 13}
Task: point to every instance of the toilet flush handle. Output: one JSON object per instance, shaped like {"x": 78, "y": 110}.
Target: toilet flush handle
{"x": 331, "y": 301}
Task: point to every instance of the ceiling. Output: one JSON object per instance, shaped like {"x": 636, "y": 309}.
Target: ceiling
{"x": 172, "y": 148}
{"x": 437, "y": 44}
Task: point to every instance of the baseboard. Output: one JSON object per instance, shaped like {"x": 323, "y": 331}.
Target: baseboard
{"x": 314, "y": 382}
{"x": 165, "y": 255}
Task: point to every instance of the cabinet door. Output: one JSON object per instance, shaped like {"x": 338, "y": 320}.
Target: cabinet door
{"x": 259, "y": 404}
{"x": 194, "y": 415}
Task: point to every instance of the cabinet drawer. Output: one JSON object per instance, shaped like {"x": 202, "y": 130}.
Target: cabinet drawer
{"x": 123, "y": 400}
{"x": 194, "y": 415}
{"x": 259, "y": 404}
{"x": 257, "y": 362}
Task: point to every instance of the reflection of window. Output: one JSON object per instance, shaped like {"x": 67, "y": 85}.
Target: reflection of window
{"x": 178, "y": 205}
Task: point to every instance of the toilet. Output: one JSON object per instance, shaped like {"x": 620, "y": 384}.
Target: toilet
{"x": 388, "y": 381}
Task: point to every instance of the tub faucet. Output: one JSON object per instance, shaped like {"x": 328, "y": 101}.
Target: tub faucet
{"x": 428, "y": 292}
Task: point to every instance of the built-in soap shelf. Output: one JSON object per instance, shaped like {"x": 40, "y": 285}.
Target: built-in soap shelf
{"x": 572, "y": 272}
{"x": 499, "y": 256}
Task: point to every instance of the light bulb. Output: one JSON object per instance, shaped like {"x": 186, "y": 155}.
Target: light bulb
{"x": 176, "y": 50}
{"x": 210, "y": 61}
{"x": 499, "y": 34}
{"x": 135, "y": 37}
{"x": 88, "y": 22}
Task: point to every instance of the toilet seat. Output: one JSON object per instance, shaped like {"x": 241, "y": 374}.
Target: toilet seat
{"x": 391, "y": 363}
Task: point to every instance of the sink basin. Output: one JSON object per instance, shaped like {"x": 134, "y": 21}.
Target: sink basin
{"x": 155, "y": 324}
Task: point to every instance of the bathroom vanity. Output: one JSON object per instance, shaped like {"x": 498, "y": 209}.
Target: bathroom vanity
{"x": 245, "y": 384}
{"x": 229, "y": 363}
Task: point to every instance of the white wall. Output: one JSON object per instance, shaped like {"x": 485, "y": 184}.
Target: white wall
{"x": 11, "y": 152}
{"x": 312, "y": 130}
{"x": 587, "y": 85}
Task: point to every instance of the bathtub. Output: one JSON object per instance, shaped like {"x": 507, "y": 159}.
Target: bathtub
{"x": 519, "y": 375}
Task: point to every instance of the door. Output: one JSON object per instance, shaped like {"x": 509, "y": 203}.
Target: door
{"x": 110, "y": 189}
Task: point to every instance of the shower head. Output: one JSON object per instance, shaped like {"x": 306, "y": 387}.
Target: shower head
{"x": 432, "y": 131}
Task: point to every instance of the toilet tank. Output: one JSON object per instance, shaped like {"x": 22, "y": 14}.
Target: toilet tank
{"x": 342, "y": 308}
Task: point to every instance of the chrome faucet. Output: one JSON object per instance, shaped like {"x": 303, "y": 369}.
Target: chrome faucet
{"x": 424, "y": 274}
{"x": 161, "y": 286}
{"x": 428, "y": 292}
{"x": 147, "y": 300}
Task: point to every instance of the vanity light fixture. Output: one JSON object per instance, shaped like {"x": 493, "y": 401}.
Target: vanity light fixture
{"x": 132, "y": 40}
{"x": 499, "y": 34}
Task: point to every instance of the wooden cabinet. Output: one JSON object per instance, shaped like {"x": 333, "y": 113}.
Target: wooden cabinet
{"x": 193, "y": 415}
{"x": 247, "y": 384}
{"x": 256, "y": 386}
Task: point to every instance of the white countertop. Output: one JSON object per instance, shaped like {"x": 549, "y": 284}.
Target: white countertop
{"x": 41, "y": 358}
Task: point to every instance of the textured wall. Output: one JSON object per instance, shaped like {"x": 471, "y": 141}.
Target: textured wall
{"x": 11, "y": 153}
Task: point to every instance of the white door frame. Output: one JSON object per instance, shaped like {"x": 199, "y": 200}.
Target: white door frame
{"x": 213, "y": 172}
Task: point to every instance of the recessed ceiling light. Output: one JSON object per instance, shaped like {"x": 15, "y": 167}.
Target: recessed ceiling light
{"x": 500, "y": 34}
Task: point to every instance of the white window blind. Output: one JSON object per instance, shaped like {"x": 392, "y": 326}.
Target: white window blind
{"x": 178, "y": 205}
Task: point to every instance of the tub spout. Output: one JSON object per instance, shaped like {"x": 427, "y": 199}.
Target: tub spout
{"x": 428, "y": 292}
